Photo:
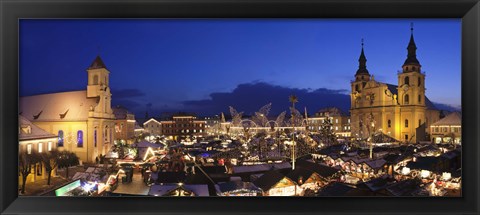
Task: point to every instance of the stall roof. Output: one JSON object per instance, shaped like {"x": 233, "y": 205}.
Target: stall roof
{"x": 298, "y": 173}
{"x": 404, "y": 188}
{"x": 322, "y": 170}
{"x": 261, "y": 167}
{"x": 161, "y": 190}
{"x": 268, "y": 180}
{"x": 236, "y": 185}
{"x": 336, "y": 189}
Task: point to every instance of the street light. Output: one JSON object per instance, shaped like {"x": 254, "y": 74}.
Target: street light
{"x": 293, "y": 99}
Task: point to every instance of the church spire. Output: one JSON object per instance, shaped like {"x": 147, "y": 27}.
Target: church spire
{"x": 412, "y": 50}
{"x": 362, "y": 63}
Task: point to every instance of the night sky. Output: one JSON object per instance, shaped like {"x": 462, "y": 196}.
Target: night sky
{"x": 206, "y": 65}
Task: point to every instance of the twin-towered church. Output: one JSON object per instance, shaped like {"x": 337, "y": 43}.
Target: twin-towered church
{"x": 401, "y": 111}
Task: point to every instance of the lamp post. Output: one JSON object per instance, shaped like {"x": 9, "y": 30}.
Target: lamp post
{"x": 293, "y": 99}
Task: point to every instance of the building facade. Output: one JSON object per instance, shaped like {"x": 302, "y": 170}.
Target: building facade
{"x": 83, "y": 121}
{"x": 448, "y": 129}
{"x": 33, "y": 138}
{"x": 401, "y": 111}
{"x": 340, "y": 121}
{"x": 184, "y": 126}
{"x": 124, "y": 124}
{"x": 152, "y": 127}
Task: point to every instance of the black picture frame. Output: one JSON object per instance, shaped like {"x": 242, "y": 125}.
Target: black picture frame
{"x": 11, "y": 11}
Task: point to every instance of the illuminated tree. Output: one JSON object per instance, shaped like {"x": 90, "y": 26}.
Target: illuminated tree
{"x": 25, "y": 163}
{"x": 50, "y": 161}
{"x": 67, "y": 159}
{"x": 327, "y": 136}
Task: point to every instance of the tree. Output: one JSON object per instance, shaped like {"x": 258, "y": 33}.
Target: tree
{"x": 327, "y": 136}
{"x": 25, "y": 163}
{"x": 67, "y": 159}
{"x": 49, "y": 160}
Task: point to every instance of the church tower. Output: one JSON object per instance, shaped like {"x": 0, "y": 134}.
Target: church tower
{"x": 362, "y": 76}
{"x": 98, "y": 85}
{"x": 411, "y": 93}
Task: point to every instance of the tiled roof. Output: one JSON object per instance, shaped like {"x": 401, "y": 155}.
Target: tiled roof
{"x": 64, "y": 106}
{"x": 35, "y": 131}
{"x": 97, "y": 64}
{"x": 454, "y": 118}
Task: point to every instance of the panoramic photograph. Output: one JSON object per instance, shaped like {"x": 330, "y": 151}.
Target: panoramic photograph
{"x": 240, "y": 107}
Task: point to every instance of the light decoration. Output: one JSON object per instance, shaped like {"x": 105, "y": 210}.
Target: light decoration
{"x": 87, "y": 187}
{"x": 425, "y": 173}
{"x": 149, "y": 151}
{"x": 446, "y": 176}
{"x": 405, "y": 171}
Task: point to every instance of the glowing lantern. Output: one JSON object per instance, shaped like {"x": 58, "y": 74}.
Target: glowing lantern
{"x": 446, "y": 176}
{"x": 405, "y": 171}
{"x": 425, "y": 173}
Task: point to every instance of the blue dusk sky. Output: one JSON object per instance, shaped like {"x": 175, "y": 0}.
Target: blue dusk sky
{"x": 206, "y": 65}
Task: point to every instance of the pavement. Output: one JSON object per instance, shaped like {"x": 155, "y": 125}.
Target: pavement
{"x": 136, "y": 187}
{"x": 40, "y": 186}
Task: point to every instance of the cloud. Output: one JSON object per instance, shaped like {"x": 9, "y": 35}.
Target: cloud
{"x": 126, "y": 93}
{"x": 249, "y": 97}
{"x": 446, "y": 107}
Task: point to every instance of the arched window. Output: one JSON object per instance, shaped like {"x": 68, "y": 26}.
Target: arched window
{"x": 406, "y": 99}
{"x": 105, "y": 134}
{"x": 419, "y": 98}
{"x": 95, "y": 138}
{"x": 389, "y": 122}
{"x": 60, "y": 138}
{"x": 406, "y": 123}
{"x": 95, "y": 79}
{"x": 419, "y": 81}
{"x": 79, "y": 138}
{"x": 407, "y": 80}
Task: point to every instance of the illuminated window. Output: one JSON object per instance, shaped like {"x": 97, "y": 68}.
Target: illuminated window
{"x": 406, "y": 123}
{"x": 389, "y": 122}
{"x": 49, "y": 146}
{"x": 29, "y": 149}
{"x": 40, "y": 147}
{"x": 348, "y": 120}
{"x": 336, "y": 120}
{"x": 60, "y": 138}
{"x": 79, "y": 138}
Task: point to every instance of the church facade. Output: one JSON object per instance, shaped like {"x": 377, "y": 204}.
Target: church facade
{"x": 83, "y": 121}
{"x": 400, "y": 111}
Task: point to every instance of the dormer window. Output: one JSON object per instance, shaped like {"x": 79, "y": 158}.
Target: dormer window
{"x": 27, "y": 129}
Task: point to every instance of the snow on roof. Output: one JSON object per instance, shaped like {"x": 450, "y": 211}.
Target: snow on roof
{"x": 197, "y": 189}
{"x": 146, "y": 144}
{"x": 375, "y": 164}
{"x": 454, "y": 118}
{"x": 72, "y": 106}
{"x": 35, "y": 132}
{"x": 261, "y": 167}
{"x": 235, "y": 186}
